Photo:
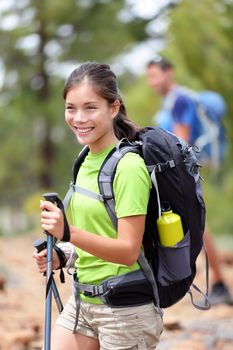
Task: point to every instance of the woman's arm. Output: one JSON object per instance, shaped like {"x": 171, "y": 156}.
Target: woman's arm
{"x": 124, "y": 249}
{"x": 183, "y": 131}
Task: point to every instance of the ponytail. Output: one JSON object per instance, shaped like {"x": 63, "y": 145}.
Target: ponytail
{"x": 123, "y": 126}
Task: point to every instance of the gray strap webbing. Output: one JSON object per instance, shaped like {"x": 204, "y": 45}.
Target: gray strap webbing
{"x": 77, "y": 301}
{"x": 106, "y": 177}
{"x": 150, "y": 276}
{"x": 74, "y": 188}
{"x": 161, "y": 167}
{"x": 155, "y": 183}
{"x": 68, "y": 196}
{"x": 90, "y": 288}
{"x": 211, "y": 135}
{"x": 88, "y": 193}
{"x": 207, "y": 303}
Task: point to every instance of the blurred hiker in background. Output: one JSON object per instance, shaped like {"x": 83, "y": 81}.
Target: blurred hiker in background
{"x": 196, "y": 118}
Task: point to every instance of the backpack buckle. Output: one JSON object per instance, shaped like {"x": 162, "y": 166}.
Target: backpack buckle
{"x": 95, "y": 292}
{"x": 106, "y": 197}
{"x": 161, "y": 167}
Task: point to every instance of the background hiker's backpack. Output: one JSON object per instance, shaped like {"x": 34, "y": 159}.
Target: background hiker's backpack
{"x": 210, "y": 110}
{"x": 175, "y": 177}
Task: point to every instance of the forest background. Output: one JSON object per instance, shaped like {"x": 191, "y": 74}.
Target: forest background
{"x": 42, "y": 41}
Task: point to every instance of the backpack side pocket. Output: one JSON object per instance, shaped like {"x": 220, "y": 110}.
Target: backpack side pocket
{"x": 174, "y": 262}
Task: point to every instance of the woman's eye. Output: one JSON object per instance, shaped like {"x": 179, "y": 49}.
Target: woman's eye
{"x": 91, "y": 107}
{"x": 70, "y": 108}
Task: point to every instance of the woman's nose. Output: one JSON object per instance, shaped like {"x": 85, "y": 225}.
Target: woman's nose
{"x": 79, "y": 116}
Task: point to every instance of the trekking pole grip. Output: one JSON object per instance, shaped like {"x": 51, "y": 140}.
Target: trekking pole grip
{"x": 53, "y": 197}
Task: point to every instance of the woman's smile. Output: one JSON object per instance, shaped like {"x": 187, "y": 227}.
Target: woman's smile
{"x": 84, "y": 130}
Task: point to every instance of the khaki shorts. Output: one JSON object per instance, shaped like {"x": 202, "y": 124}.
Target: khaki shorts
{"x": 130, "y": 328}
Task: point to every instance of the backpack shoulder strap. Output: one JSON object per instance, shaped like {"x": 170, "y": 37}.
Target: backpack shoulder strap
{"x": 105, "y": 181}
{"x": 76, "y": 166}
{"x": 179, "y": 91}
{"x": 78, "y": 161}
{"x": 106, "y": 177}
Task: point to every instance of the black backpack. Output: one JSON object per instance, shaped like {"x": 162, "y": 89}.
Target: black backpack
{"x": 174, "y": 171}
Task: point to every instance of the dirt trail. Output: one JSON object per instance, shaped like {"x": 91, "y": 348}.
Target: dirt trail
{"x": 22, "y": 297}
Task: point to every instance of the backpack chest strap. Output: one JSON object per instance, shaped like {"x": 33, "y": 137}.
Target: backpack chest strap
{"x": 90, "y": 194}
{"x": 74, "y": 188}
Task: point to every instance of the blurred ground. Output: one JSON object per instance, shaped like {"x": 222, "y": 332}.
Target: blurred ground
{"x": 22, "y": 293}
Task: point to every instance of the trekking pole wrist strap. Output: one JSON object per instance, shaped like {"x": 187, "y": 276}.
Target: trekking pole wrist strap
{"x": 61, "y": 257}
{"x": 62, "y": 260}
{"x": 66, "y": 232}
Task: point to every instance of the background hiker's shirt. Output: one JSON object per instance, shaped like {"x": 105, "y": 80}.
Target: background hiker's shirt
{"x": 178, "y": 108}
{"x": 131, "y": 190}
{"x": 184, "y": 112}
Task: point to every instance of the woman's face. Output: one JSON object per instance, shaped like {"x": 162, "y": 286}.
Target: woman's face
{"x": 90, "y": 117}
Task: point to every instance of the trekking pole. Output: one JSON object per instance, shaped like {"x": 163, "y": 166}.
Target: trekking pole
{"x": 41, "y": 244}
{"x": 51, "y": 197}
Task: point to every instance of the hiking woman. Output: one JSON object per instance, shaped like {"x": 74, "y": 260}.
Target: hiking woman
{"x": 96, "y": 114}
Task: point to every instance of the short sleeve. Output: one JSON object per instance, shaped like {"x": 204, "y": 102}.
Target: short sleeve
{"x": 183, "y": 110}
{"x": 131, "y": 186}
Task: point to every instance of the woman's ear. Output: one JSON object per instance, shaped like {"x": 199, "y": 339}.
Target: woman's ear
{"x": 115, "y": 107}
{"x": 170, "y": 75}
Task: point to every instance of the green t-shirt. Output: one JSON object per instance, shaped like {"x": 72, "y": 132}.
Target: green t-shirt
{"x": 131, "y": 190}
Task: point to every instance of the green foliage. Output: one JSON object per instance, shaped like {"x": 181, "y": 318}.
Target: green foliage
{"x": 200, "y": 42}
{"x": 32, "y": 202}
{"x": 202, "y": 49}
{"x": 36, "y": 147}
{"x": 218, "y": 197}
{"x": 138, "y": 99}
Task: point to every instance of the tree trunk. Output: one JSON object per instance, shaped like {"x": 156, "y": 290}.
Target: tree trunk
{"x": 46, "y": 148}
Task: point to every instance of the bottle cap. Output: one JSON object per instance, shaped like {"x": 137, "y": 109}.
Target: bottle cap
{"x": 166, "y": 206}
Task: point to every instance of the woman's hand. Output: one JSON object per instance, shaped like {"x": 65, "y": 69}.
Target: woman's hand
{"x": 41, "y": 260}
{"x": 52, "y": 219}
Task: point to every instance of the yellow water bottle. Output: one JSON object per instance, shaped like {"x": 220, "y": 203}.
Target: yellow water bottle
{"x": 169, "y": 227}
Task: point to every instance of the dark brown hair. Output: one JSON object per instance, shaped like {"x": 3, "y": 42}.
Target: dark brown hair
{"x": 104, "y": 81}
{"x": 162, "y": 62}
